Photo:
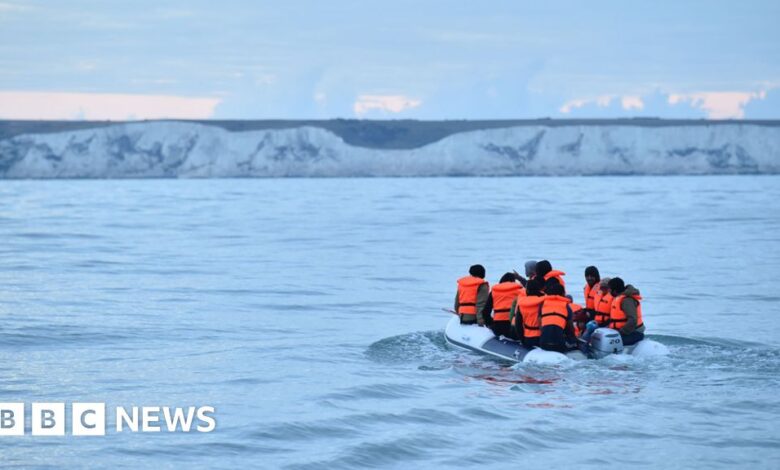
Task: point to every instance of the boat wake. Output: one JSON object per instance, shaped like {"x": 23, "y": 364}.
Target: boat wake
{"x": 428, "y": 350}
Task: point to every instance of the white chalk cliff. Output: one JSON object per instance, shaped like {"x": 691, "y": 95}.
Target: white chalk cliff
{"x": 189, "y": 150}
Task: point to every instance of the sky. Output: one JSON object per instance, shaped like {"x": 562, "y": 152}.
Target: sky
{"x": 422, "y": 59}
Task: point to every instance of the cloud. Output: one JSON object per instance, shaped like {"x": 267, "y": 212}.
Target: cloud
{"x": 384, "y": 103}
{"x": 765, "y": 108}
{"x": 573, "y": 104}
{"x": 696, "y": 104}
{"x": 630, "y": 102}
{"x": 602, "y": 101}
{"x": 6, "y": 6}
{"x": 100, "y": 106}
{"x": 718, "y": 104}
{"x": 154, "y": 81}
{"x": 627, "y": 102}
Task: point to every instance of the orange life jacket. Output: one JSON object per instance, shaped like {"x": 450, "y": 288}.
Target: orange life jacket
{"x": 467, "y": 294}
{"x": 555, "y": 311}
{"x": 503, "y": 296}
{"x": 590, "y": 295}
{"x": 529, "y": 311}
{"x": 617, "y": 317}
{"x": 557, "y": 275}
{"x": 603, "y": 306}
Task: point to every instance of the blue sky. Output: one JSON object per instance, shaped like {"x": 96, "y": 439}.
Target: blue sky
{"x": 389, "y": 59}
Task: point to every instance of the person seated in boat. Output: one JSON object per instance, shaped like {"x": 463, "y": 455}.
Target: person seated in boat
{"x": 499, "y": 301}
{"x": 626, "y": 312}
{"x": 578, "y": 317}
{"x": 545, "y": 272}
{"x": 591, "y": 289}
{"x": 525, "y": 312}
{"x": 556, "y": 317}
{"x": 472, "y": 295}
{"x": 602, "y": 303}
{"x": 530, "y": 269}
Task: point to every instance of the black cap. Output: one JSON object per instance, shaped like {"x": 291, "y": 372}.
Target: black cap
{"x": 477, "y": 271}
{"x": 593, "y": 271}
{"x": 553, "y": 287}
{"x": 534, "y": 287}
{"x": 543, "y": 267}
{"x": 616, "y": 284}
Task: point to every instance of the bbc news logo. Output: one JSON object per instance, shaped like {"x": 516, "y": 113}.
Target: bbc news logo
{"x": 89, "y": 419}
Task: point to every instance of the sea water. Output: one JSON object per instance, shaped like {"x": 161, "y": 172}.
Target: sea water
{"x": 308, "y": 313}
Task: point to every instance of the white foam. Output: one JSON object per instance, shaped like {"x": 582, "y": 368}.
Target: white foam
{"x": 649, "y": 348}
{"x": 540, "y": 356}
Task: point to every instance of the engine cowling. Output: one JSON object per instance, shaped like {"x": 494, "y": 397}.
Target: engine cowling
{"x": 605, "y": 341}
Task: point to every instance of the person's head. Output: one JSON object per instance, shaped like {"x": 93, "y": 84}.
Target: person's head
{"x": 616, "y": 286}
{"x": 477, "y": 271}
{"x": 530, "y": 268}
{"x": 604, "y": 285}
{"x": 534, "y": 287}
{"x": 592, "y": 276}
{"x": 542, "y": 268}
{"x": 553, "y": 287}
{"x": 507, "y": 277}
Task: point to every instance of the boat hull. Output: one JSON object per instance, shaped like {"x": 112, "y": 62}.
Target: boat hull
{"x": 481, "y": 339}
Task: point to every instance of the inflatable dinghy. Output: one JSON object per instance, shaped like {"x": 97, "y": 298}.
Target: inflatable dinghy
{"x": 603, "y": 342}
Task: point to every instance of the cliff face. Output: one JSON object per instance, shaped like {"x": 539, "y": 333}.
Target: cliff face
{"x": 181, "y": 149}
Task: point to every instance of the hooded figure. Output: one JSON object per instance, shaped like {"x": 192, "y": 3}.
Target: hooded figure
{"x": 626, "y": 311}
{"x": 530, "y": 269}
{"x": 542, "y": 268}
{"x": 592, "y": 272}
{"x": 591, "y": 289}
{"x": 545, "y": 272}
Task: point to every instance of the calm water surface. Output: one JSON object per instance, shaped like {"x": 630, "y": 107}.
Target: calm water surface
{"x": 307, "y": 312}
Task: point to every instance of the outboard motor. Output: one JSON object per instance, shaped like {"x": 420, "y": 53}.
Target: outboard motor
{"x": 605, "y": 341}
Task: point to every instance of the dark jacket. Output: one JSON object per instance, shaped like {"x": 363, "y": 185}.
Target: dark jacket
{"x": 629, "y": 306}
{"x": 482, "y": 296}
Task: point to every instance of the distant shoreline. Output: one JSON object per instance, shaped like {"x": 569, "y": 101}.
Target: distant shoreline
{"x": 378, "y": 134}
{"x": 198, "y": 149}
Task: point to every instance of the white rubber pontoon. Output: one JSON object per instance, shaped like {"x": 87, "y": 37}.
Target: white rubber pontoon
{"x": 603, "y": 342}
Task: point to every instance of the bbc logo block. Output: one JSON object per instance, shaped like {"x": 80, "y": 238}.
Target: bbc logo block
{"x": 11, "y": 419}
{"x": 49, "y": 419}
{"x": 89, "y": 419}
